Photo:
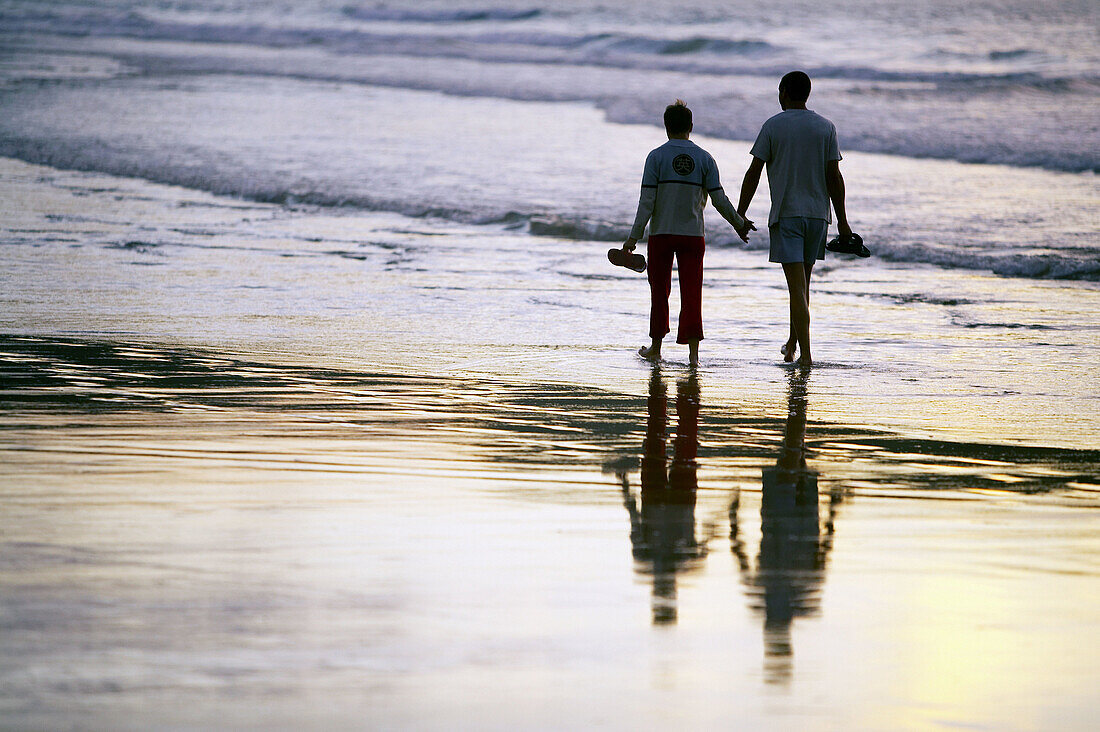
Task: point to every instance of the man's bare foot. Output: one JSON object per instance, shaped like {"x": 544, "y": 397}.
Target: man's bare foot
{"x": 788, "y": 350}
{"x": 804, "y": 363}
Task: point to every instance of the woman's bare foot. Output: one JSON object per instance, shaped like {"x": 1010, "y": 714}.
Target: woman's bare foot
{"x": 693, "y": 352}
{"x": 652, "y": 352}
{"x": 788, "y": 350}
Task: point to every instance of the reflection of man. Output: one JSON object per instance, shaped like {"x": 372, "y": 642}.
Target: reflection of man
{"x": 790, "y": 568}
{"x": 662, "y": 532}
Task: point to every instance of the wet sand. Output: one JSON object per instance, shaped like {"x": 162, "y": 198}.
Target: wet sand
{"x": 197, "y": 538}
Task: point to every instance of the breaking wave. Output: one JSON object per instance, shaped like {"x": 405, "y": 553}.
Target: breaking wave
{"x": 458, "y": 15}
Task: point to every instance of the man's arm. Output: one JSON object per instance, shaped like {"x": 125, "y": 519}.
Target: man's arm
{"x": 749, "y": 184}
{"x": 834, "y": 182}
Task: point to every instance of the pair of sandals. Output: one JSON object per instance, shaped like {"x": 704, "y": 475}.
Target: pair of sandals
{"x": 848, "y": 244}
{"x": 841, "y": 244}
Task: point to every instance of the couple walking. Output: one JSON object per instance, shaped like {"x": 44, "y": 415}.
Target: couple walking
{"x": 800, "y": 150}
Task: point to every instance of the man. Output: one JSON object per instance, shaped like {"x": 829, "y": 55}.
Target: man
{"x": 677, "y": 179}
{"x": 800, "y": 149}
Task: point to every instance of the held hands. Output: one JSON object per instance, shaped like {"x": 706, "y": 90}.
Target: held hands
{"x": 743, "y": 232}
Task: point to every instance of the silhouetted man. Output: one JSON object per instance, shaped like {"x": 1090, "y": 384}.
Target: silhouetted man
{"x": 800, "y": 149}
{"x": 677, "y": 179}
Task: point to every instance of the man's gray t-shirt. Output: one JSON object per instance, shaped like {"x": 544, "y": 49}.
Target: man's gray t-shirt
{"x": 797, "y": 145}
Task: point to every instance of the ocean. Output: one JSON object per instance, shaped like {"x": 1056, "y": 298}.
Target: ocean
{"x": 997, "y": 83}
{"x": 321, "y": 403}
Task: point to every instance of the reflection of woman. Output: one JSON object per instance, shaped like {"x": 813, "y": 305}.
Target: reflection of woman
{"x": 662, "y": 532}
{"x": 790, "y": 567}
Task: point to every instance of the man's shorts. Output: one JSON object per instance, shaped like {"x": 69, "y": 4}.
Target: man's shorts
{"x": 797, "y": 239}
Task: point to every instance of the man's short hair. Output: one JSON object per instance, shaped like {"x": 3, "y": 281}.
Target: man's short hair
{"x": 797, "y": 86}
{"x": 677, "y": 118}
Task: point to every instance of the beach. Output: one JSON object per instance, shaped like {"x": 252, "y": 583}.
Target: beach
{"x": 321, "y": 406}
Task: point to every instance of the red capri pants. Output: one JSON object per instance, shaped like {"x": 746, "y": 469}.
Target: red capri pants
{"x": 688, "y": 251}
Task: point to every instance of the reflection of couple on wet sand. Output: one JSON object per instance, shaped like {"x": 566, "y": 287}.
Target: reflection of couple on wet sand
{"x": 800, "y": 150}
{"x": 790, "y": 566}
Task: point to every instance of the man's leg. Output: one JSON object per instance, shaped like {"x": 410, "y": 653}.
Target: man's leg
{"x": 659, "y": 272}
{"x": 812, "y": 233}
{"x": 798, "y": 286}
{"x": 791, "y": 346}
{"x": 689, "y": 265}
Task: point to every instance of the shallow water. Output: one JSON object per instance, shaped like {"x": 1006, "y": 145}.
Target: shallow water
{"x": 552, "y": 168}
{"x": 939, "y": 353}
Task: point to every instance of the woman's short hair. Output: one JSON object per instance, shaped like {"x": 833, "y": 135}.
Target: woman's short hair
{"x": 677, "y": 118}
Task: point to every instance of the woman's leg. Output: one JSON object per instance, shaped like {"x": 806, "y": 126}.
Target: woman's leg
{"x": 659, "y": 272}
{"x": 689, "y": 263}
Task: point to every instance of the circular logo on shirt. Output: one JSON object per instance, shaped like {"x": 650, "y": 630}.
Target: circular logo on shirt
{"x": 683, "y": 164}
